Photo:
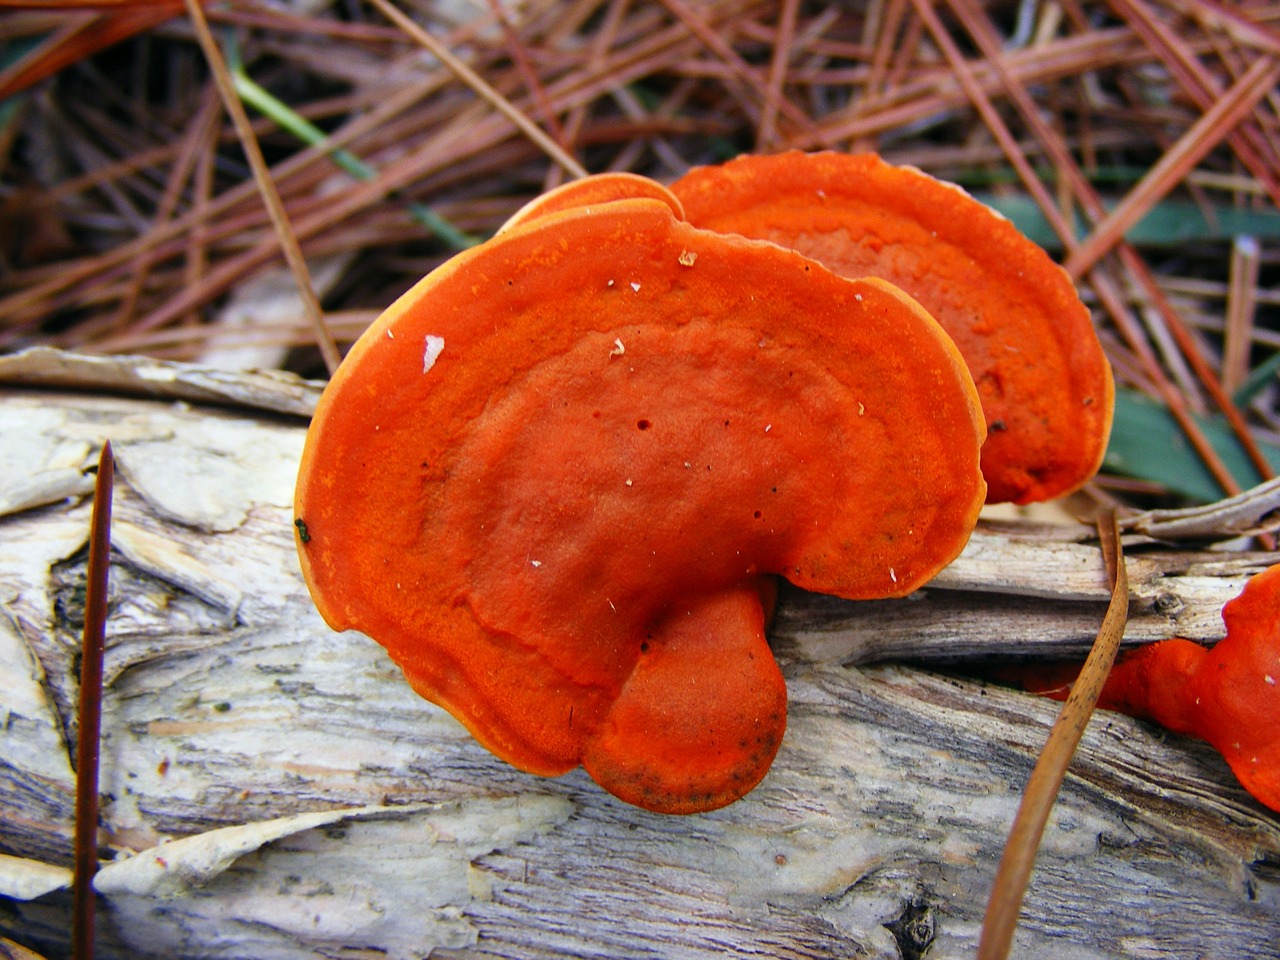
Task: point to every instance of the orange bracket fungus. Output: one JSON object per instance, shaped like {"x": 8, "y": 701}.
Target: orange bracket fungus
{"x": 1228, "y": 695}
{"x": 1029, "y": 342}
{"x": 555, "y": 480}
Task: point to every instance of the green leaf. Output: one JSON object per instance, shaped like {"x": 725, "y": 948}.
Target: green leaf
{"x": 1147, "y": 443}
{"x": 1258, "y": 380}
{"x": 306, "y": 131}
{"x": 1167, "y": 224}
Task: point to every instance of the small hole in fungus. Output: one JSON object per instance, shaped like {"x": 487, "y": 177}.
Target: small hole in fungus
{"x": 757, "y": 514}
{"x": 642, "y": 424}
{"x": 644, "y": 646}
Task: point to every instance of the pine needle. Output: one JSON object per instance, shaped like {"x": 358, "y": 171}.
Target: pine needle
{"x": 1018, "y": 859}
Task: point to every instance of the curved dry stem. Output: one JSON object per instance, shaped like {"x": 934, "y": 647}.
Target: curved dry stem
{"x": 1042, "y": 788}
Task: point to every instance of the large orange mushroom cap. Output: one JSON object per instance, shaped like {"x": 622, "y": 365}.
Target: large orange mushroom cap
{"x": 1045, "y": 383}
{"x": 554, "y": 478}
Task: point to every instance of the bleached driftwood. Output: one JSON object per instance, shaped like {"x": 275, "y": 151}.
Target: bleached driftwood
{"x": 272, "y": 789}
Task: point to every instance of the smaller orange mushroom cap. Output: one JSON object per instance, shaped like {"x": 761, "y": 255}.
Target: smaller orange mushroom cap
{"x": 557, "y": 477}
{"x": 1045, "y": 383}
{"x": 595, "y": 189}
{"x": 1228, "y": 695}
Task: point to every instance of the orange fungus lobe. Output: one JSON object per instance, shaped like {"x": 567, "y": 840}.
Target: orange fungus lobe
{"x": 565, "y": 527}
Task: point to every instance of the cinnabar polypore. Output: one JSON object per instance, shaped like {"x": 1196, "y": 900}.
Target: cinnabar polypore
{"x": 555, "y": 477}
{"x": 1045, "y": 383}
{"x": 1228, "y": 695}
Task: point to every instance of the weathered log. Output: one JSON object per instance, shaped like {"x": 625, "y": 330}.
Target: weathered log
{"x": 272, "y": 789}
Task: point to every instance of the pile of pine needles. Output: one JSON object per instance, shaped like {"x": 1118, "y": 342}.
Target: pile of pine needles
{"x": 1138, "y": 139}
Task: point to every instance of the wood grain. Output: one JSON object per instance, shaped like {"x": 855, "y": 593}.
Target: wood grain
{"x": 272, "y": 789}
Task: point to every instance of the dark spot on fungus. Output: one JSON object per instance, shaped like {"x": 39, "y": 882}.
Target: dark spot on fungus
{"x": 643, "y": 424}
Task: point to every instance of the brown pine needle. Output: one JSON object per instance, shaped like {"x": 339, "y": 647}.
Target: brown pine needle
{"x": 782, "y": 54}
{"x": 482, "y": 88}
{"x": 1259, "y": 80}
{"x": 1241, "y": 305}
{"x": 90, "y": 711}
{"x": 266, "y": 186}
{"x": 1014, "y": 872}
{"x": 1203, "y": 87}
{"x": 82, "y": 34}
{"x": 520, "y": 57}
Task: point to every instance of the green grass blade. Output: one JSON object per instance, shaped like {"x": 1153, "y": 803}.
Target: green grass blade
{"x": 1147, "y": 443}
{"x": 306, "y": 131}
{"x": 1169, "y": 223}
